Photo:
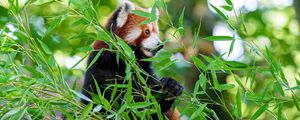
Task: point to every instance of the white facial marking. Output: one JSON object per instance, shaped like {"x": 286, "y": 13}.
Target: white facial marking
{"x": 133, "y": 34}
{"x": 151, "y": 42}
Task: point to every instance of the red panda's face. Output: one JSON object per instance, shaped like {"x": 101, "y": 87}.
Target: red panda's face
{"x": 128, "y": 26}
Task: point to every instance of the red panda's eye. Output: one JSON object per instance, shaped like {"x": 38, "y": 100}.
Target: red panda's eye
{"x": 147, "y": 32}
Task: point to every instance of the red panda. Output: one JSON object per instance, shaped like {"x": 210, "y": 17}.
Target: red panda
{"x": 144, "y": 41}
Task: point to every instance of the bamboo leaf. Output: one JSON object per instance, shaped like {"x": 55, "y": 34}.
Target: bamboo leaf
{"x": 141, "y": 13}
{"x": 279, "y": 113}
{"x": 84, "y": 49}
{"x": 229, "y": 2}
{"x": 181, "y": 23}
{"x": 296, "y": 103}
{"x": 236, "y": 64}
{"x": 259, "y": 111}
{"x": 34, "y": 72}
{"x": 223, "y": 87}
{"x": 45, "y": 47}
{"x": 238, "y": 104}
{"x": 53, "y": 25}
{"x": 86, "y": 111}
{"x": 198, "y": 112}
{"x": 196, "y": 34}
{"x": 228, "y": 8}
{"x": 239, "y": 81}
{"x": 167, "y": 65}
{"x": 9, "y": 114}
{"x": 215, "y": 79}
{"x": 294, "y": 88}
{"x": 279, "y": 89}
{"x": 219, "y": 38}
{"x": 95, "y": 58}
{"x": 202, "y": 80}
{"x": 198, "y": 63}
{"x": 139, "y": 105}
{"x": 219, "y": 12}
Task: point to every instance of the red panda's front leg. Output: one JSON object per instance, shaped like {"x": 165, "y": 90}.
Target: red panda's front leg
{"x": 171, "y": 89}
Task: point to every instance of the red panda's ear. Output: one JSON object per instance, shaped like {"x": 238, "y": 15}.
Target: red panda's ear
{"x": 123, "y": 11}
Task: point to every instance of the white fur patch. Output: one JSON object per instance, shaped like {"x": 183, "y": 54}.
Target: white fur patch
{"x": 152, "y": 42}
{"x": 123, "y": 14}
{"x": 122, "y": 18}
{"x": 133, "y": 34}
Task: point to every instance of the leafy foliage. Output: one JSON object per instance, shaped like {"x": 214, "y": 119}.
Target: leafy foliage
{"x": 35, "y": 85}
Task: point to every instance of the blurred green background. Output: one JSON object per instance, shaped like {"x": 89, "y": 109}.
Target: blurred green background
{"x": 269, "y": 23}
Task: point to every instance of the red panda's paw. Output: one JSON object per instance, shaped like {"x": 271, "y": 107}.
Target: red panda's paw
{"x": 171, "y": 87}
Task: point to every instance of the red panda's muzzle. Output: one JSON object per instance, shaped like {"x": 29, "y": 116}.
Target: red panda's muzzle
{"x": 147, "y": 52}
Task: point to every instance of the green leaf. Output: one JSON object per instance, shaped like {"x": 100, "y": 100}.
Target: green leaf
{"x": 139, "y": 105}
{"x": 199, "y": 63}
{"x": 141, "y": 13}
{"x": 86, "y": 111}
{"x": 238, "y": 104}
{"x": 215, "y": 79}
{"x": 84, "y": 49}
{"x": 236, "y": 64}
{"x": 181, "y": 23}
{"x": 231, "y": 47}
{"x": 103, "y": 35}
{"x": 296, "y": 103}
{"x": 259, "y": 111}
{"x": 10, "y": 113}
{"x": 128, "y": 72}
{"x": 198, "y": 112}
{"x": 196, "y": 88}
{"x": 229, "y": 2}
{"x": 279, "y": 113}
{"x": 219, "y": 12}
{"x": 203, "y": 79}
{"x": 45, "y": 47}
{"x": 294, "y": 88}
{"x": 149, "y": 20}
{"x": 200, "y": 82}
{"x": 53, "y": 25}
{"x": 167, "y": 65}
{"x": 228, "y": 8}
{"x": 208, "y": 59}
{"x": 219, "y": 38}
{"x": 196, "y": 34}
{"x": 105, "y": 103}
{"x": 95, "y": 58}
{"x": 223, "y": 87}
{"x": 163, "y": 55}
{"x": 77, "y": 63}
{"x": 279, "y": 88}
{"x": 34, "y": 72}
{"x": 129, "y": 92}
{"x": 128, "y": 51}
{"x": 239, "y": 81}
